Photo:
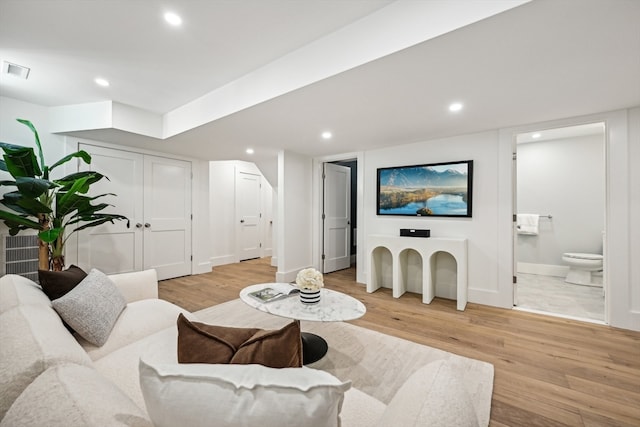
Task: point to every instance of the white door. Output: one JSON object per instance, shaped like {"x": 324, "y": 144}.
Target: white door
{"x": 114, "y": 248}
{"x": 248, "y": 213}
{"x": 514, "y": 228}
{"x": 154, "y": 193}
{"x": 336, "y": 217}
{"x": 167, "y": 216}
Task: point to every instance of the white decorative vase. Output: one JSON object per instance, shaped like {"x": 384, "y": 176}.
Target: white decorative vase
{"x": 309, "y": 297}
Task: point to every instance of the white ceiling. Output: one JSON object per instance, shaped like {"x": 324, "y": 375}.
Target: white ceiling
{"x": 152, "y": 66}
{"x": 561, "y": 133}
{"x": 540, "y": 61}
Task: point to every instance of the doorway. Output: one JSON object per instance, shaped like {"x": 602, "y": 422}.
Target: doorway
{"x": 560, "y": 199}
{"x": 248, "y": 210}
{"x": 339, "y": 215}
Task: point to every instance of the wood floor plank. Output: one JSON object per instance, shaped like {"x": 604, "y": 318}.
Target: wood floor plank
{"x": 548, "y": 371}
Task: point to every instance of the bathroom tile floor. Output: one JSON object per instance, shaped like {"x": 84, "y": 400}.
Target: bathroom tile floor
{"x": 553, "y": 295}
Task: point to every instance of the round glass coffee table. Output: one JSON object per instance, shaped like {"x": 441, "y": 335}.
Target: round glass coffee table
{"x": 334, "y": 306}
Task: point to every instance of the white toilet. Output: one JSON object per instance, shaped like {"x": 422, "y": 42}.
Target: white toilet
{"x": 581, "y": 266}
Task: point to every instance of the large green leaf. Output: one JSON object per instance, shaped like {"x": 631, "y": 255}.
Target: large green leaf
{"x": 11, "y": 218}
{"x": 22, "y": 162}
{"x": 68, "y": 196}
{"x": 67, "y": 203}
{"x": 68, "y": 181}
{"x": 3, "y": 166}
{"x": 33, "y": 187}
{"x": 101, "y": 219}
{"x": 7, "y": 147}
{"x": 88, "y": 212}
{"x": 51, "y": 235}
{"x": 16, "y": 201}
{"x": 80, "y": 154}
{"x": 30, "y": 125}
{"x": 7, "y": 183}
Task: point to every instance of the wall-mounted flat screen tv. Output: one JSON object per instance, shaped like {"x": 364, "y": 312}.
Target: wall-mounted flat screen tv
{"x": 430, "y": 190}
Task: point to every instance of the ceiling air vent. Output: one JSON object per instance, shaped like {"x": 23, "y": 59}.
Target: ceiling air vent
{"x": 15, "y": 70}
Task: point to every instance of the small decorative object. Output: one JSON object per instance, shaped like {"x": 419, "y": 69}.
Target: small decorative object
{"x": 310, "y": 282}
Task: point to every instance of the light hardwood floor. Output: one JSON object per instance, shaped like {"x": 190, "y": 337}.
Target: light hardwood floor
{"x": 548, "y": 371}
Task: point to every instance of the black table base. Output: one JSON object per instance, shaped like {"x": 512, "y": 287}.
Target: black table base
{"x": 314, "y": 348}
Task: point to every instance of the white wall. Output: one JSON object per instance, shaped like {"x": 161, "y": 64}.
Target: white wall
{"x": 11, "y": 131}
{"x": 200, "y": 224}
{"x": 566, "y": 179}
{"x": 294, "y": 236}
{"x": 222, "y": 213}
{"x": 480, "y": 230}
{"x": 222, "y": 202}
{"x": 634, "y": 210}
{"x": 268, "y": 217}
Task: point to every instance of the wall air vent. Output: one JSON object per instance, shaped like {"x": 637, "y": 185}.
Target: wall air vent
{"x": 20, "y": 256}
{"x": 15, "y": 70}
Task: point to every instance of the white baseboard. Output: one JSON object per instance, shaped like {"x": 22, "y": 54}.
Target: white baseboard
{"x": 543, "y": 269}
{"x": 274, "y": 261}
{"x": 203, "y": 267}
{"x": 223, "y": 260}
{"x": 287, "y": 276}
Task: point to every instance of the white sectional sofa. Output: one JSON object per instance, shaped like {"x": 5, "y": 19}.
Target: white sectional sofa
{"x": 50, "y": 377}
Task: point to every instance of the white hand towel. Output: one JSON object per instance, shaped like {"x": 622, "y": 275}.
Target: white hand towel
{"x": 527, "y": 224}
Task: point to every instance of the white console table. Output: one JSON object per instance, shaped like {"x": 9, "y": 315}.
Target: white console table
{"x": 427, "y": 248}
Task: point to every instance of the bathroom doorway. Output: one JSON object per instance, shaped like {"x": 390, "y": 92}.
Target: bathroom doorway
{"x": 560, "y": 196}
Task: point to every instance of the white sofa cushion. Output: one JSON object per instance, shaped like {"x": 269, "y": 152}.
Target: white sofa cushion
{"x": 138, "y": 320}
{"x": 432, "y": 396}
{"x": 92, "y": 307}
{"x": 137, "y": 285}
{"x": 121, "y": 366}
{"x": 240, "y": 395}
{"x": 360, "y": 409}
{"x": 32, "y": 338}
{"x": 17, "y": 290}
{"x": 73, "y": 396}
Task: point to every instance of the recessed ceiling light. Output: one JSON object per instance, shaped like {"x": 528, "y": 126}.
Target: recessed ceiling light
{"x": 249, "y": 151}
{"x": 327, "y": 135}
{"x": 172, "y": 19}
{"x": 15, "y": 70}
{"x": 536, "y": 136}
{"x": 102, "y": 82}
{"x": 456, "y": 106}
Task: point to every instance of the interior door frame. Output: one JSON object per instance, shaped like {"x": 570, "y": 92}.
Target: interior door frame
{"x": 606, "y": 141}
{"x": 329, "y": 223}
{"x": 260, "y": 220}
{"x": 317, "y": 200}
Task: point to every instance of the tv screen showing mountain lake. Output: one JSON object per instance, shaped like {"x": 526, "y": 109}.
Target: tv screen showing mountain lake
{"x": 424, "y": 190}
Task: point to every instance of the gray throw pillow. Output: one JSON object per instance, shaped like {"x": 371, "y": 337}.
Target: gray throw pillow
{"x": 92, "y": 307}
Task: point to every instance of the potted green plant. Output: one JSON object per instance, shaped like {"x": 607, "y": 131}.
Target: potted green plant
{"x": 56, "y": 208}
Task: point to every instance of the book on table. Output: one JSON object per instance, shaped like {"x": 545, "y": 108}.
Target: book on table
{"x": 274, "y": 291}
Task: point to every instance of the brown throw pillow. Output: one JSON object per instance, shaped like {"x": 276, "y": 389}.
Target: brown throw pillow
{"x": 202, "y": 343}
{"x": 57, "y": 283}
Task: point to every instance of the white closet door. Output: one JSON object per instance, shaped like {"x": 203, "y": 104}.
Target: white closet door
{"x": 167, "y": 216}
{"x": 248, "y": 211}
{"x": 114, "y": 248}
